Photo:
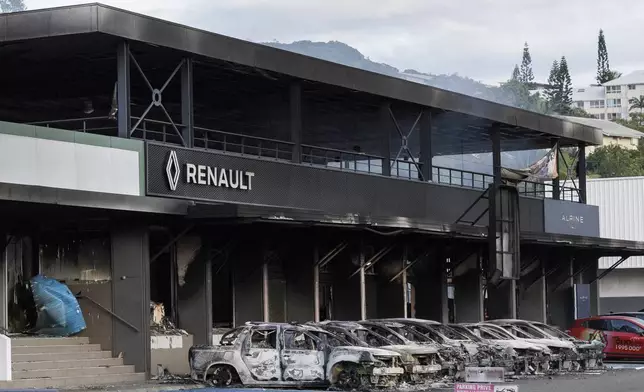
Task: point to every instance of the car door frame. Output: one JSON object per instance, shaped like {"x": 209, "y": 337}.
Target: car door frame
{"x": 258, "y": 361}
{"x": 312, "y": 363}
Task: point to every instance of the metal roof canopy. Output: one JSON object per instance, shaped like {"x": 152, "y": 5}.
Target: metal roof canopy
{"x": 229, "y": 213}
{"x": 78, "y": 25}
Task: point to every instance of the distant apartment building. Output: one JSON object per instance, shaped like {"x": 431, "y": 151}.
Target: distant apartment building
{"x": 610, "y": 101}
{"x": 613, "y": 133}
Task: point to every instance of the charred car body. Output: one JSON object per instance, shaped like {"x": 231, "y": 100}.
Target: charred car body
{"x": 275, "y": 354}
{"x": 530, "y": 358}
{"x": 421, "y": 362}
{"x": 471, "y": 353}
{"x": 590, "y": 354}
{"x": 564, "y": 355}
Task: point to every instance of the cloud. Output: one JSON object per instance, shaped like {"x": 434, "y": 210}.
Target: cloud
{"x": 482, "y": 39}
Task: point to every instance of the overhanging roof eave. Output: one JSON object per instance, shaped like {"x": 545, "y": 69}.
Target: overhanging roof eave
{"x": 89, "y": 18}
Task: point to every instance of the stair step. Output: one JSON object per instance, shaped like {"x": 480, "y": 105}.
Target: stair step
{"x": 34, "y": 357}
{"x": 74, "y": 363}
{"x": 72, "y": 372}
{"x": 31, "y": 341}
{"x": 76, "y": 348}
{"x": 73, "y": 381}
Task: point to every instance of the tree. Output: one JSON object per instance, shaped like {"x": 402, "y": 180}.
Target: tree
{"x": 552, "y": 91}
{"x": 604, "y": 73}
{"x": 579, "y": 112}
{"x": 12, "y": 5}
{"x": 527, "y": 77}
{"x": 516, "y": 74}
{"x": 637, "y": 103}
{"x": 565, "y": 86}
{"x": 616, "y": 161}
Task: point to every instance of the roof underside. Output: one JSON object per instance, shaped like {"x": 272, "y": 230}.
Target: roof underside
{"x": 79, "y": 43}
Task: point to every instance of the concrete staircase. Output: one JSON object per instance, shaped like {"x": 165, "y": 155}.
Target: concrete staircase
{"x": 64, "y": 362}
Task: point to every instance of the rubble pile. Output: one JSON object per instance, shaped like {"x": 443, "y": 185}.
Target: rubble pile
{"x": 391, "y": 353}
{"x": 160, "y": 324}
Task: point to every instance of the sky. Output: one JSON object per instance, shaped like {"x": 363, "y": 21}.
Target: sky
{"x": 481, "y": 39}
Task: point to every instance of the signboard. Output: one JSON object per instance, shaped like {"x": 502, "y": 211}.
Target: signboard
{"x": 469, "y": 387}
{"x": 582, "y": 301}
{"x": 566, "y": 217}
{"x": 484, "y": 374}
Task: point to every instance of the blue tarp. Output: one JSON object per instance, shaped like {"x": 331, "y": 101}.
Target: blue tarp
{"x": 59, "y": 313}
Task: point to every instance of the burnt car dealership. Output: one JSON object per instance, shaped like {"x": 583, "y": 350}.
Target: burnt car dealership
{"x": 145, "y": 161}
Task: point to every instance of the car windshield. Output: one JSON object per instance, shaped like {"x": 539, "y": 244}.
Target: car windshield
{"x": 230, "y": 337}
{"x": 465, "y": 332}
{"x": 496, "y": 333}
{"x": 553, "y": 331}
{"x": 447, "y": 332}
{"x": 333, "y": 340}
{"x": 634, "y": 315}
{"x": 411, "y": 334}
{"x": 374, "y": 339}
{"x": 521, "y": 333}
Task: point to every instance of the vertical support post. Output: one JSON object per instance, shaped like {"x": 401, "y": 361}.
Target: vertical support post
{"x": 316, "y": 284}
{"x": 295, "y": 99}
{"x": 493, "y": 229}
{"x": 363, "y": 287}
{"x": 4, "y": 292}
{"x": 404, "y": 282}
{"x": 265, "y": 292}
{"x": 556, "y": 193}
{"x": 513, "y": 299}
{"x": 582, "y": 173}
{"x": 187, "y": 103}
{"x": 123, "y": 89}
{"x": 426, "y": 145}
{"x": 385, "y": 145}
{"x": 544, "y": 289}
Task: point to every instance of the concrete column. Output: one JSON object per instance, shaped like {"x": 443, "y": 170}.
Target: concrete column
{"x": 555, "y": 182}
{"x": 195, "y": 296}
{"x": 560, "y": 295}
{"x": 265, "y": 292}
{"x": 131, "y": 295}
{"x": 532, "y": 297}
{"x": 316, "y": 284}
{"x": 468, "y": 297}
{"x": 430, "y": 288}
{"x": 4, "y": 295}
{"x": 502, "y": 300}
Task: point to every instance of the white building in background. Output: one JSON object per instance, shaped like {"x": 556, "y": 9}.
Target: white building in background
{"x": 614, "y": 133}
{"x": 610, "y": 101}
{"x": 621, "y": 216}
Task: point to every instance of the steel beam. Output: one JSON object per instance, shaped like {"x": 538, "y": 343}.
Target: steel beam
{"x": 316, "y": 285}
{"x": 493, "y": 227}
{"x": 582, "y": 172}
{"x": 123, "y": 89}
{"x": 187, "y": 102}
{"x": 385, "y": 134}
{"x": 555, "y": 181}
{"x": 610, "y": 269}
{"x": 171, "y": 242}
{"x": 265, "y": 292}
{"x": 332, "y": 254}
{"x": 374, "y": 259}
{"x": 426, "y": 154}
{"x": 363, "y": 287}
{"x": 408, "y": 266}
{"x": 404, "y": 281}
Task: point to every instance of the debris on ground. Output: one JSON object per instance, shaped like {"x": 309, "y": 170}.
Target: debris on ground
{"x": 160, "y": 324}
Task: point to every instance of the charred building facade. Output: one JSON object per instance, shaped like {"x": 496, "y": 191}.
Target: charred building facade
{"x": 231, "y": 181}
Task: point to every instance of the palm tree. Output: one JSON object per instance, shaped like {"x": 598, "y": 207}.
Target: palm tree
{"x": 637, "y": 103}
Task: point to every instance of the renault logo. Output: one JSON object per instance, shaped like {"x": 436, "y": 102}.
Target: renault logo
{"x": 172, "y": 170}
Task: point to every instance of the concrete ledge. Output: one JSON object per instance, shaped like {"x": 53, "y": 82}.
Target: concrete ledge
{"x": 171, "y": 352}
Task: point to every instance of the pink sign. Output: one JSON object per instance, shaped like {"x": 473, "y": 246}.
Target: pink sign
{"x": 473, "y": 387}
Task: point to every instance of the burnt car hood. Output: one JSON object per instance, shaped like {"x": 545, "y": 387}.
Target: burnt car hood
{"x": 517, "y": 344}
{"x": 411, "y": 349}
{"x": 381, "y": 352}
{"x": 552, "y": 343}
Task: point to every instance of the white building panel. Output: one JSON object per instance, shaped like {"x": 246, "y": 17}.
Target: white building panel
{"x": 621, "y": 212}
{"x": 66, "y": 165}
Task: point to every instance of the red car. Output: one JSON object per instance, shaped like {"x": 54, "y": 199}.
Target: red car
{"x": 623, "y": 336}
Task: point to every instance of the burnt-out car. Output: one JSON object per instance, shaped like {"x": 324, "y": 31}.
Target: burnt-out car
{"x": 530, "y": 358}
{"x": 276, "y": 354}
{"x": 591, "y": 353}
{"x": 421, "y": 362}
